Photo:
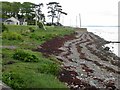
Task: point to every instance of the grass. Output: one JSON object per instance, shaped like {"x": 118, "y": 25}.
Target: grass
{"x": 32, "y": 75}
{"x": 40, "y": 74}
{"x": 33, "y": 39}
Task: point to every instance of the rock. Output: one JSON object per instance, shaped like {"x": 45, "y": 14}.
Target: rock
{"x": 4, "y": 86}
{"x": 92, "y": 83}
{"x": 106, "y": 48}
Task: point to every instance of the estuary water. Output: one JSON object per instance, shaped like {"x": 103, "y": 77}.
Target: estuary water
{"x": 109, "y": 34}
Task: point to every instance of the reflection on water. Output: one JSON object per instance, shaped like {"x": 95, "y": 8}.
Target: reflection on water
{"x": 109, "y": 34}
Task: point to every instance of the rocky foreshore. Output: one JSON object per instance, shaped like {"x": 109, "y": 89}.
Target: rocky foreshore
{"x": 3, "y": 86}
{"x": 86, "y": 64}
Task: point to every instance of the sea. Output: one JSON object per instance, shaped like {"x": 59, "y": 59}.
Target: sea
{"x": 109, "y": 34}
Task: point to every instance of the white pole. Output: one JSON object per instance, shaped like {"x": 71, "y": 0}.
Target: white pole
{"x": 80, "y": 19}
{"x": 76, "y": 21}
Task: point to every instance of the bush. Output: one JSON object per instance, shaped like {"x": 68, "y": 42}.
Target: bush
{"x": 11, "y": 36}
{"x": 49, "y": 68}
{"x": 27, "y": 31}
{"x": 40, "y": 25}
{"x": 25, "y": 55}
{"x": 49, "y": 24}
{"x": 37, "y": 37}
{"x": 54, "y": 24}
{"x": 4, "y": 28}
{"x": 13, "y": 80}
{"x": 42, "y": 37}
{"x": 31, "y": 29}
{"x": 34, "y": 36}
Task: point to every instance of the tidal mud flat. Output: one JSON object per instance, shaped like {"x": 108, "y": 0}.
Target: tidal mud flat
{"x": 86, "y": 63}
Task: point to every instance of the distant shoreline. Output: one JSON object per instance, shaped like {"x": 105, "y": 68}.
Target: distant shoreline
{"x": 90, "y": 26}
{"x": 100, "y": 26}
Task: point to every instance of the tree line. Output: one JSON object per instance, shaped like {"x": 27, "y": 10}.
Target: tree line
{"x": 32, "y": 12}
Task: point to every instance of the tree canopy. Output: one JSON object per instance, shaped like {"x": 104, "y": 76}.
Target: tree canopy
{"x": 55, "y": 10}
{"x": 31, "y": 11}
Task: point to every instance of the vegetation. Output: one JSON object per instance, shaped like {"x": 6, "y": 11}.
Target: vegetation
{"x": 4, "y": 28}
{"x": 31, "y": 39}
{"x": 25, "y": 68}
{"x": 25, "y": 55}
{"x": 55, "y": 11}
{"x": 12, "y": 9}
{"x": 22, "y": 66}
{"x": 11, "y": 36}
{"x": 31, "y": 12}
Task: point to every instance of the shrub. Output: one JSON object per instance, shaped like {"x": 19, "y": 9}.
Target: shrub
{"x": 11, "y": 36}
{"x": 42, "y": 37}
{"x": 25, "y": 55}
{"x": 40, "y": 25}
{"x": 27, "y": 31}
{"x": 49, "y": 68}
{"x": 13, "y": 80}
{"x": 34, "y": 36}
{"x": 4, "y": 28}
{"x": 49, "y": 24}
{"x": 31, "y": 29}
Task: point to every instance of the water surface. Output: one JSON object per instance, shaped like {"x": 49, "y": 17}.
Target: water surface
{"x": 109, "y": 34}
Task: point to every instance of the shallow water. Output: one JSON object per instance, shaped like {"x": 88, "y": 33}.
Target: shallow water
{"x": 109, "y": 34}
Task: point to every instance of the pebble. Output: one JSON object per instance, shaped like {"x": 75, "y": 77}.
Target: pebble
{"x": 62, "y": 74}
{"x": 76, "y": 86}
{"x": 81, "y": 74}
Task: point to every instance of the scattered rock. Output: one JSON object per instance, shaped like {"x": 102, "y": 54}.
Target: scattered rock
{"x": 106, "y": 48}
{"x": 81, "y": 56}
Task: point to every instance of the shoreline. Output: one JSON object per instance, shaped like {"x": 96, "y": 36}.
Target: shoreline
{"x": 84, "y": 50}
{"x": 109, "y": 34}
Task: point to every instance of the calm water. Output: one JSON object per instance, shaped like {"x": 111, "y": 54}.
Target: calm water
{"x": 109, "y": 34}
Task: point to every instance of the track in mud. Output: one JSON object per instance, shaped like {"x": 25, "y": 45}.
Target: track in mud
{"x": 86, "y": 65}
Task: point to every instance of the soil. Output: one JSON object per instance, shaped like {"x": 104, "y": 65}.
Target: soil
{"x": 87, "y": 65}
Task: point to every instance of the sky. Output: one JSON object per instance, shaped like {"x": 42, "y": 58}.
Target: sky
{"x": 92, "y": 12}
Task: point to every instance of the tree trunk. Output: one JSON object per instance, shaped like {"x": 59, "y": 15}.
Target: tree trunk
{"x": 52, "y": 20}
{"x": 58, "y": 19}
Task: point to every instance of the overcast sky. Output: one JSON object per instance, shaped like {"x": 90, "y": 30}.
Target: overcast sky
{"x": 93, "y": 12}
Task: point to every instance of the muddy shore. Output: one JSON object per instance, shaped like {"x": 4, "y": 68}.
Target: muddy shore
{"x": 86, "y": 63}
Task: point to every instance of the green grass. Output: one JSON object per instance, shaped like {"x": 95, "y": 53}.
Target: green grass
{"x": 20, "y": 74}
{"x": 33, "y": 80}
{"x": 31, "y": 40}
{"x": 18, "y": 28}
{"x": 40, "y": 74}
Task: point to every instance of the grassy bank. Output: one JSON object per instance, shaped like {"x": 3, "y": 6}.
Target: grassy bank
{"x": 25, "y": 68}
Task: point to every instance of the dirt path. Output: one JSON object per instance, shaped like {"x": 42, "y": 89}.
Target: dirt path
{"x": 86, "y": 64}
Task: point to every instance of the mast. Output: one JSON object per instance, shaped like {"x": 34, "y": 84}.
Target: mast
{"x": 76, "y": 21}
{"x": 80, "y": 19}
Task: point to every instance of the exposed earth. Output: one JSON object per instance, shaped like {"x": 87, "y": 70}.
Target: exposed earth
{"x": 86, "y": 63}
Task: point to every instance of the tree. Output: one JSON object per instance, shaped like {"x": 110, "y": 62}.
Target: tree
{"x": 10, "y": 9}
{"x": 6, "y": 9}
{"x": 26, "y": 9}
{"x": 53, "y": 7}
{"x": 15, "y": 8}
{"x": 38, "y": 12}
{"x": 55, "y": 11}
{"x": 39, "y": 16}
{"x": 59, "y": 11}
